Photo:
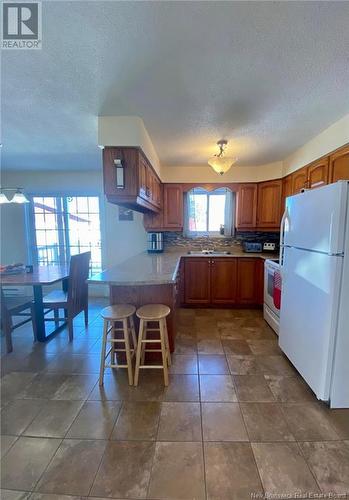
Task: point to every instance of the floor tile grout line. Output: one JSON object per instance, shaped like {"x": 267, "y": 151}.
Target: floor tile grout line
{"x": 98, "y": 468}
{"x": 308, "y": 465}
{"x": 154, "y": 453}
{"x": 203, "y": 443}
{"x": 49, "y": 463}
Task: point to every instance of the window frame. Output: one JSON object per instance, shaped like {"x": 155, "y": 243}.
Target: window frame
{"x": 211, "y": 234}
{"x": 32, "y": 256}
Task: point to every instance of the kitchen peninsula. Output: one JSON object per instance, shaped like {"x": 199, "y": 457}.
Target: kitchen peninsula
{"x": 196, "y": 279}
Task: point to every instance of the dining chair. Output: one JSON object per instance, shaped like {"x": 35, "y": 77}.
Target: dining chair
{"x": 15, "y": 306}
{"x": 75, "y": 300}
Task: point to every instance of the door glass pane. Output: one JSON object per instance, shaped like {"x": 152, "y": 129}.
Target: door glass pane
{"x": 60, "y": 234}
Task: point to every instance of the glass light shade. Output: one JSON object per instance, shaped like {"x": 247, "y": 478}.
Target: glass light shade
{"x": 221, "y": 164}
{"x": 19, "y": 198}
{"x": 3, "y": 199}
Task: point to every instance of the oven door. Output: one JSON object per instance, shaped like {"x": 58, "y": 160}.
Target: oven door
{"x": 269, "y": 271}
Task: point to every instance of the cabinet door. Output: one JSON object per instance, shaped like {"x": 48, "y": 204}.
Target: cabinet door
{"x": 286, "y": 189}
{"x": 339, "y": 165}
{"x": 153, "y": 222}
{"x": 246, "y": 206}
{"x": 223, "y": 280}
{"x": 269, "y": 204}
{"x": 246, "y": 281}
{"x": 299, "y": 180}
{"x": 259, "y": 281}
{"x": 197, "y": 280}
{"x": 142, "y": 169}
{"x": 173, "y": 206}
{"x": 156, "y": 192}
{"x": 318, "y": 173}
{"x": 129, "y": 158}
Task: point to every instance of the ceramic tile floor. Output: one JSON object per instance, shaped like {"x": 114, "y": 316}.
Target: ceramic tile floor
{"x": 235, "y": 420}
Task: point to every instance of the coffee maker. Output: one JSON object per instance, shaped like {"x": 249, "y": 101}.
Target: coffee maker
{"x": 155, "y": 242}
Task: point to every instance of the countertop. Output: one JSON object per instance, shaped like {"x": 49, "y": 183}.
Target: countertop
{"x": 157, "y": 269}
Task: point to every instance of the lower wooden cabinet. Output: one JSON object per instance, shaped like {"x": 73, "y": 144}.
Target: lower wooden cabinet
{"x": 197, "y": 280}
{"x": 246, "y": 281}
{"x": 223, "y": 281}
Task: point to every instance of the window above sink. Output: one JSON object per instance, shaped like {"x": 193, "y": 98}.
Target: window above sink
{"x": 209, "y": 213}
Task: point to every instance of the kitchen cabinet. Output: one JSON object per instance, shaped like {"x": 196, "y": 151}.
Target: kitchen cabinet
{"x": 170, "y": 215}
{"x": 339, "y": 165}
{"x": 286, "y": 190}
{"x": 140, "y": 190}
{"x": 318, "y": 173}
{"x": 259, "y": 281}
{"x": 223, "y": 280}
{"x": 246, "y": 206}
{"x": 246, "y": 281}
{"x": 269, "y": 204}
{"x": 197, "y": 280}
{"x": 299, "y": 180}
{"x": 173, "y": 206}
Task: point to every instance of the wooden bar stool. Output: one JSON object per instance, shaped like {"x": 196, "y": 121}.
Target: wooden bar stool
{"x": 153, "y": 313}
{"x": 120, "y": 313}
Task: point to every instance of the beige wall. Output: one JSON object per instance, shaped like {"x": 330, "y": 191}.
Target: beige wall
{"x": 330, "y": 139}
{"x": 127, "y": 131}
{"x": 205, "y": 174}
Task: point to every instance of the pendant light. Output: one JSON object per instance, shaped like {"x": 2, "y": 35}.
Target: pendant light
{"x": 19, "y": 196}
{"x": 219, "y": 162}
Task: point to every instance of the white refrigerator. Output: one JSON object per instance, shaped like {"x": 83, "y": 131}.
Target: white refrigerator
{"x": 314, "y": 315}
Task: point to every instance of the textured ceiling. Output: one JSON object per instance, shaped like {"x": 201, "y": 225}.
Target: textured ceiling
{"x": 268, "y": 76}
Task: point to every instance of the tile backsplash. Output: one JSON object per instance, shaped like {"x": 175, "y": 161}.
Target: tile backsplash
{"x": 176, "y": 239}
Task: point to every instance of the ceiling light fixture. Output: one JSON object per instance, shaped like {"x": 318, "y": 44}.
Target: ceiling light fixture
{"x": 219, "y": 162}
{"x": 18, "y": 197}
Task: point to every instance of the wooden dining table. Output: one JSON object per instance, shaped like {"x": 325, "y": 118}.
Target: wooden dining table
{"x": 40, "y": 277}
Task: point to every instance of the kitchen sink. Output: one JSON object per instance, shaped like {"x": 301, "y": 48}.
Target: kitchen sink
{"x": 207, "y": 252}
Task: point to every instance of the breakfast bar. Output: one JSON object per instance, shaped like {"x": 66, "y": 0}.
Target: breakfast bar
{"x": 160, "y": 278}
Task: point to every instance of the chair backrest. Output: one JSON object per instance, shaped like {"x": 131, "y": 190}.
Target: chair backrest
{"x": 5, "y": 314}
{"x": 77, "y": 287}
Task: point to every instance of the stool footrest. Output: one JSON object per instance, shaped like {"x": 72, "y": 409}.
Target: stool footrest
{"x": 145, "y": 367}
{"x": 116, "y": 366}
{"x": 150, "y": 341}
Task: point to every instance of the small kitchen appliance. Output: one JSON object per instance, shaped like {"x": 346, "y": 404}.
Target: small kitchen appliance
{"x": 269, "y": 246}
{"x": 155, "y": 242}
{"x": 252, "y": 246}
{"x": 314, "y": 315}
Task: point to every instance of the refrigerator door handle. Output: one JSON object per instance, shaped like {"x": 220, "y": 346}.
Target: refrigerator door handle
{"x": 282, "y": 238}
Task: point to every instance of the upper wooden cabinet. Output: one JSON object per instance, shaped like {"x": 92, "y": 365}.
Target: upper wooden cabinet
{"x": 299, "y": 180}
{"x": 339, "y": 165}
{"x": 318, "y": 173}
{"x": 140, "y": 190}
{"x": 286, "y": 189}
{"x": 269, "y": 204}
{"x": 246, "y": 206}
{"x": 173, "y": 206}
